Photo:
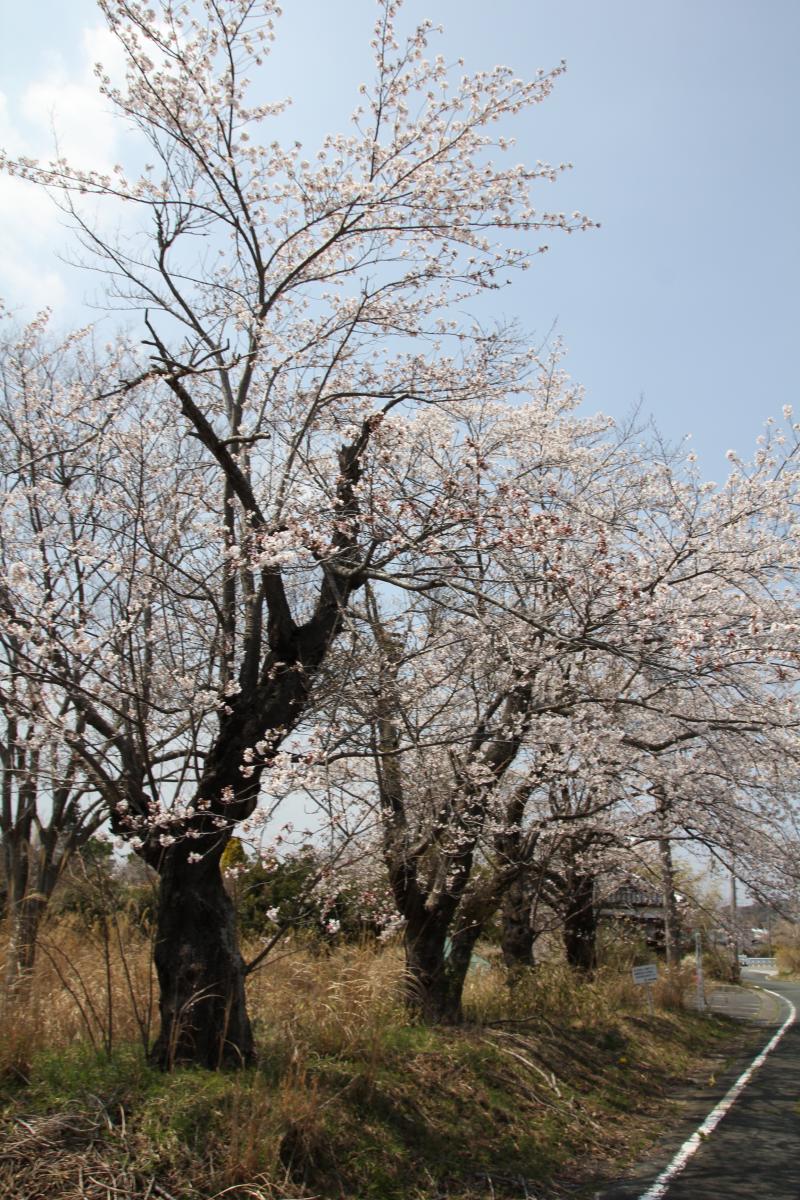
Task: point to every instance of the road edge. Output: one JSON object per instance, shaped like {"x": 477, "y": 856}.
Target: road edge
{"x": 682, "y": 1156}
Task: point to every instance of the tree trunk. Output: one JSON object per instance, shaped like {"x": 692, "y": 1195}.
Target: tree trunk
{"x": 23, "y": 930}
{"x": 435, "y": 971}
{"x": 518, "y": 935}
{"x": 200, "y": 969}
{"x": 580, "y": 925}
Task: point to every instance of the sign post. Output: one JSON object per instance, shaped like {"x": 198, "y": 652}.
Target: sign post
{"x": 646, "y": 976}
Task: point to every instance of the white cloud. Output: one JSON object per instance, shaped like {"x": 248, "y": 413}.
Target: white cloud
{"x": 73, "y": 117}
{"x": 26, "y": 211}
{"x": 62, "y": 108}
{"x": 8, "y": 134}
{"x": 100, "y": 46}
{"x": 28, "y": 289}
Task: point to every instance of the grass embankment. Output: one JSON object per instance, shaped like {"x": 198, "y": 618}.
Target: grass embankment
{"x": 349, "y": 1099}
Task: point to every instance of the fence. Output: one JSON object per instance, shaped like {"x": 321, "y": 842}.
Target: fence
{"x": 763, "y": 964}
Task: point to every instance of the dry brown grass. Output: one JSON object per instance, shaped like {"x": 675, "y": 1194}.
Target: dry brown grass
{"x": 674, "y": 984}
{"x": 554, "y": 993}
{"x": 336, "y": 1002}
{"x": 349, "y": 1100}
{"x": 304, "y": 1002}
{"x": 86, "y": 986}
{"x": 788, "y": 960}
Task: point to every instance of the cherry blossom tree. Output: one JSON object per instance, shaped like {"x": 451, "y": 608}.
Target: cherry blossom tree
{"x": 700, "y": 738}
{"x": 455, "y": 689}
{"x": 299, "y": 311}
{"x": 323, "y": 493}
{"x": 49, "y": 807}
{"x": 607, "y": 620}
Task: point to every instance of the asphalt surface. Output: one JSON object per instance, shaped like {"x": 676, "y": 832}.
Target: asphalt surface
{"x": 754, "y": 1152}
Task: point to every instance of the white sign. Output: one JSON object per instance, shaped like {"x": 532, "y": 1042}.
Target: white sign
{"x": 648, "y": 974}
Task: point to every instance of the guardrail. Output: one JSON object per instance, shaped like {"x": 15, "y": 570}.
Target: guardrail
{"x": 768, "y": 964}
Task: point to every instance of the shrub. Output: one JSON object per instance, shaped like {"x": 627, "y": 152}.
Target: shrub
{"x": 788, "y": 959}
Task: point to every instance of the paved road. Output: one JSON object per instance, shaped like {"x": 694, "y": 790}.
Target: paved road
{"x": 749, "y": 1004}
{"x": 754, "y": 1152}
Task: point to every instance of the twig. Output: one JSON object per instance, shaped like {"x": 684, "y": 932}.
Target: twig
{"x": 158, "y": 1190}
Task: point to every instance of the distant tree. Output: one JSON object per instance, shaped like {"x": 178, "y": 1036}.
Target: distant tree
{"x": 610, "y": 660}
{"x": 50, "y": 808}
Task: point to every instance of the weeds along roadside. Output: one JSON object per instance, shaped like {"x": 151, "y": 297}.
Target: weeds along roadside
{"x": 349, "y": 1099}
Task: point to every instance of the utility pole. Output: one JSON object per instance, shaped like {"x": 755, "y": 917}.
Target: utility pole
{"x": 669, "y": 907}
{"x": 698, "y": 960}
{"x": 736, "y": 969}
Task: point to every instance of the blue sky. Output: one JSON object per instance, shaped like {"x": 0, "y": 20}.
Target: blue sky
{"x": 680, "y": 117}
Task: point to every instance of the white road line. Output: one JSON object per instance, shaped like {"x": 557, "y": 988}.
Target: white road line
{"x": 713, "y": 1119}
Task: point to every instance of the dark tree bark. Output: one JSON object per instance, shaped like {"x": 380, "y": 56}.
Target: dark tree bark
{"x": 436, "y": 969}
{"x": 439, "y": 950}
{"x": 32, "y": 867}
{"x": 200, "y": 969}
{"x": 580, "y": 924}
{"x": 23, "y": 932}
{"x": 516, "y": 850}
{"x": 518, "y": 935}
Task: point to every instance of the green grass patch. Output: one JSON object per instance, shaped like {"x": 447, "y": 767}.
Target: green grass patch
{"x": 79, "y": 1073}
{"x": 435, "y": 1112}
